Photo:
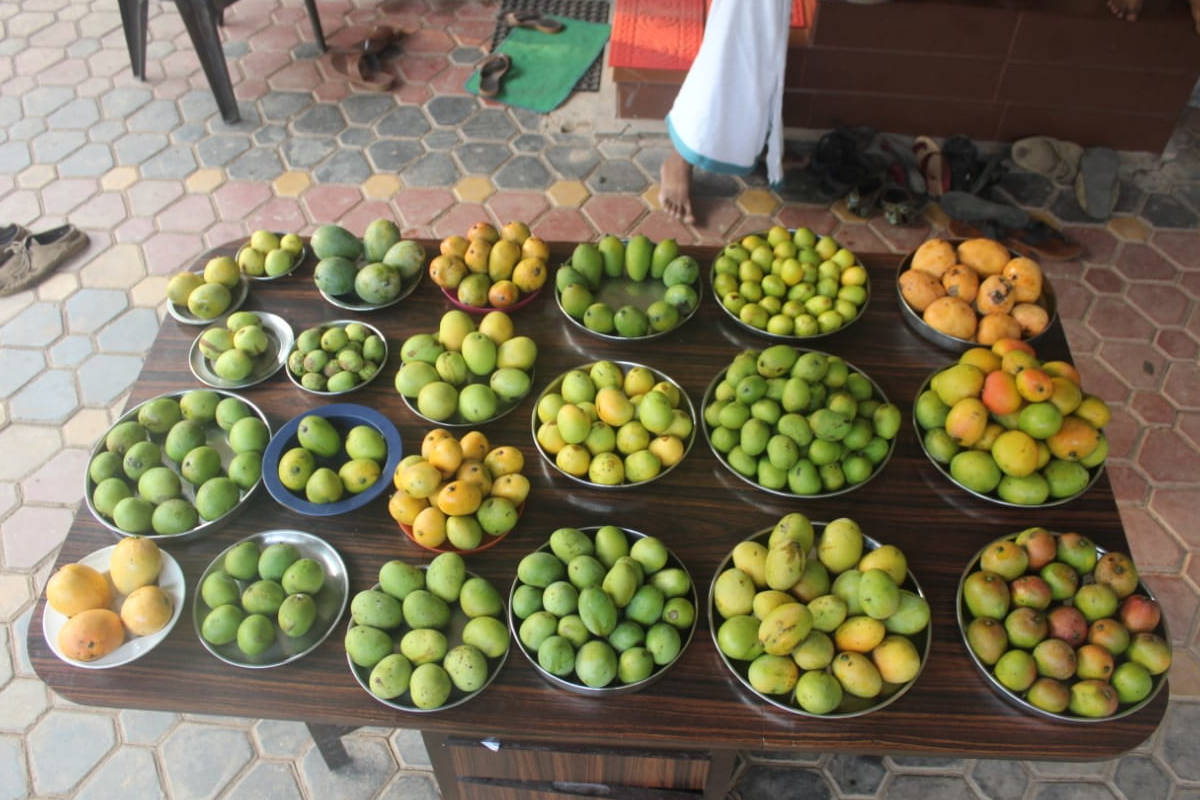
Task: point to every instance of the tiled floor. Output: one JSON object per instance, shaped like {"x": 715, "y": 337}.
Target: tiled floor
{"x": 155, "y": 177}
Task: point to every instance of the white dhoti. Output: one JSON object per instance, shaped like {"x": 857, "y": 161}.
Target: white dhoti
{"x": 731, "y": 101}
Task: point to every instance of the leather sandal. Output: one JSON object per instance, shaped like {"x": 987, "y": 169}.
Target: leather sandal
{"x": 491, "y": 70}
{"x": 27, "y": 262}
{"x": 362, "y": 69}
{"x": 933, "y": 165}
{"x": 534, "y": 20}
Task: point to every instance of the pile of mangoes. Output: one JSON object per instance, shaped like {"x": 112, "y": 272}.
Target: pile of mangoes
{"x": 234, "y": 348}
{"x": 1004, "y": 422}
{"x": 611, "y": 427}
{"x": 978, "y": 291}
{"x": 1062, "y": 626}
{"x": 602, "y": 608}
{"x": 800, "y": 420}
{"x": 825, "y": 623}
{"x": 255, "y": 590}
{"x": 580, "y": 283}
{"x": 374, "y": 269}
{"x": 206, "y": 294}
{"x": 790, "y": 283}
{"x": 138, "y": 480}
{"x": 269, "y": 255}
{"x": 405, "y": 643}
{"x": 324, "y": 466}
{"x": 464, "y": 373}
{"x": 83, "y": 595}
{"x": 458, "y": 490}
{"x": 490, "y": 268}
{"x": 336, "y": 358}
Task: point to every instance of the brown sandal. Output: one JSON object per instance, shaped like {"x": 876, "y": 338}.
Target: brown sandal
{"x": 362, "y": 69}
{"x": 26, "y": 261}
{"x": 491, "y": 70}
{"x": 534, "y": 20}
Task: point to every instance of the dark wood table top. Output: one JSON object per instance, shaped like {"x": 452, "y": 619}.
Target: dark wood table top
{"x": 700, "y": 510}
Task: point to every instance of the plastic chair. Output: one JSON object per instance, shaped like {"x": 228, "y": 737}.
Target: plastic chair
{"x": 201, "y": 18}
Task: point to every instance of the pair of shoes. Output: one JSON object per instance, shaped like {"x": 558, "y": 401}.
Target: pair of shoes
{"x": 534, "y": 20}
{"x": 491, "y": 71}
{"x": 362, "y": 64}
{"x": 27, "y": 258}
{"x": 975, "y": 216}
{"x": 838, "y": 161}
{"x": 1096, "y": 183}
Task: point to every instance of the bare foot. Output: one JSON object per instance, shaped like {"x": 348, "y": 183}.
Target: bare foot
{"x": 1127, "y": 10}
{"x": 675, "y": 194}
{"x": 1195, "y": 4}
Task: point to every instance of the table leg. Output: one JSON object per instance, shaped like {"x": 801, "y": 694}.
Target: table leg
{"x": 200, "y": 19}
{"x": 134, "y": 16}
{"x": 443, "y": 768}
{"x": 328, "y": 739}
{"x": 315, "y": 19}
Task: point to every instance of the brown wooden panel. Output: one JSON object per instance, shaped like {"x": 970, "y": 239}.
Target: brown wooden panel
{"x": 970, "y": 29}
{"x": 1069, "y": 87}
{"x": 645, "y": 100}
{"x": 1089, "y": 127}
{"x": 698, "y": 509}
{"x": 518, "y": 761}
{"x": 913, "y": 115}
{"x": 922, "y": 75}
{"x": 1165, "y": 42}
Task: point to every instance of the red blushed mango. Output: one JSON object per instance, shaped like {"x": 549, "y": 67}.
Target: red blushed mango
{"x": 1035, "y": 385}
{"x": 1093, "y": 662}
{"x": 1076, "y": 439}
{"x": 1002, "y": 346}
{"x": 1061, "y": 369}
{"x": 967, "y": 421}
{"x": 1040, "y": 544}
{"x": 1068, "y": 624}
{"x": 1000, "y": 394}
{"x": 1139, "y": 613}
{"x": 1066, "y": 396}
{"x": 503, "y": 294}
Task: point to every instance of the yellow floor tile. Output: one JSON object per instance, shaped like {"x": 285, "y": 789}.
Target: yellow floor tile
{"x": 205, "y": 180}
{"x": 291, "y": 184}
{"x": 119, "y": 179}
{"x": 474, "y": 189}
{"x": 1131, "y": 229}
{"x": 650, "y": 196}
{"x": 570, "y": 194}
{"x": 381, "y": 187}
{"x": 36, "y": 176}
{"x": 758, "y": 201}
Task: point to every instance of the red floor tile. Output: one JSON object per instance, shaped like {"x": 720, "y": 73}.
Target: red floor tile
{"x": 167, "y": 253}
{"x": 1182, "y": 247}
{"x": 749, "y": 225}
{"x": 191, "y": 213}
{"x": 1128, "y": 484}
{"x": 1098, "y": 243}
{"x": 714, "y": 218}
{"x": 519, "y": 206}
{"x": 1183, "y": 385}
{"x": 327, "y": 203}
{"x": 418, "y": 207}
{"x": 280, "y": 214}
{"x": 564, "y": 225}
{"x": 472, "y": 33}
{"x": 236, "y": 199}
{"x": 1166, "y": 457}
{"x": 134, "y": 230}
{"x": 1164, "y": 303}
{"x": 20, "y": 206}
{"x": 461, "y": 217}
{"x": 659, "y": 225}
{"x": 363, "y": 214}
{"x": 1188, "y": 424}
{"x": 1074, "y": 299}
{"x": 297, "y": 76}
{"x": 1177, "y": 509}
{"x": 1103, "y": 279}
{"x": 1178, "y": 602}
{"x": 1154, "y": 549}
{"x": 1152, "y": 408}
{"x": 1114, "y": 318}
{"x": 859, "y": 238}
{"x": 417, "y": 68}
{"x": 59, "y": 197}
{"x": 1140, "y": 262}
{"x": 428, "y": 40}
{"x": 818, "y": 220}
{"x": 225, "y": 232}
{"x": 1137, "y": 363}
{"x": 614, "y": 214}
{"x": 101, "y": 213}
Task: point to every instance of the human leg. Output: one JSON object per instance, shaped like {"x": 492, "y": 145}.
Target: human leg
{"x": 675, "y": 188}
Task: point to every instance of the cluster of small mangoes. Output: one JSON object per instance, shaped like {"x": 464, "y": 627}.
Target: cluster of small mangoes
{"x": 580, "y": 284}
{"x": 463, "y": 373}
{"x": 790, "y": 284}
{"x": 375, "y": 268}
{"x": 978, "y": 292}
{"x": 269, "y": 255}
{"x": 489, "y": 267}
{"x": 207, "y": 294}
{"x": 826, "y": 644}
{"x": 358, "y": 460}
{"x": 404, "y": 632}
{"x": 602, "y": 608}
{"x": 232, "y": 348}
{"x": 802, "y": 420}
{"x": 336, "y": 358}
{"x": 611, "y": 427}
{"x": 1062, "y": 626}
{"x": 1007, "y": 423}
{"x": 131, "y": 485}
{"x": 255, "y": 590}
{"x": 83, "y": 595}
{"x": 458, "y": 490}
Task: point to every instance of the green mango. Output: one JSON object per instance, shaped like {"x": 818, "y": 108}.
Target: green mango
{"x": 377, "y": 609}
{"x": 445, "y": 576}
{"x": 587, "y": 261}
{"x": 597, "y": 610}
{"x": 335, "y": 275}
{"x": 664, "y": 253}
{"x": 613, "y": 251}
{"x": 596, "y": 664}
{"x": 638, "y": 255}
{"x": 316, "y": 434}
{"x": 378, "y": 238}
{"x": 333, "y": 240}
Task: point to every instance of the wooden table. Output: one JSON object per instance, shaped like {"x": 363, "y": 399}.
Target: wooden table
{"x": 682, "y": 731}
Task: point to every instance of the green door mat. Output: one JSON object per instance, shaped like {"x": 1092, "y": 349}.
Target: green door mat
{"x": 546, "y": 66}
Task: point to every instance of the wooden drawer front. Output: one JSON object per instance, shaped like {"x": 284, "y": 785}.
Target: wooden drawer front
{"x": 612, "y": 767}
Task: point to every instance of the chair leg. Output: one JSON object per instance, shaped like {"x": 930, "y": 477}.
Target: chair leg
{"x": 134, "y": 16}
{"x": 315, "y": 18}
{"x": 199, "y": 17}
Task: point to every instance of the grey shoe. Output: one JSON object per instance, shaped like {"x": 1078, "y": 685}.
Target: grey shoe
{"x": 1096, "y": 183}
{"x": 26, "y": 260}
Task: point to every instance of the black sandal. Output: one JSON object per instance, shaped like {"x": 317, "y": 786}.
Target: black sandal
{"x": 491, "y": 70}
{"x": 533, "y": 20}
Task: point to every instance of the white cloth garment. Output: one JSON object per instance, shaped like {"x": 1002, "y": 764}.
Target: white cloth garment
{"x": 731, "y": 101}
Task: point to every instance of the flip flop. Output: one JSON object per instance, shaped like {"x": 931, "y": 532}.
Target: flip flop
{"x": 1096, "y": 183}
{"x": 1054, "y": 158}
{"x": 933, "y": 165}
{"x": 491, "y": 70}
{"x": 362, "y": 69}
{"x": 534, "y": 20}
{"x": 1036, "y": 240}
{"x": 27, "y": 262}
